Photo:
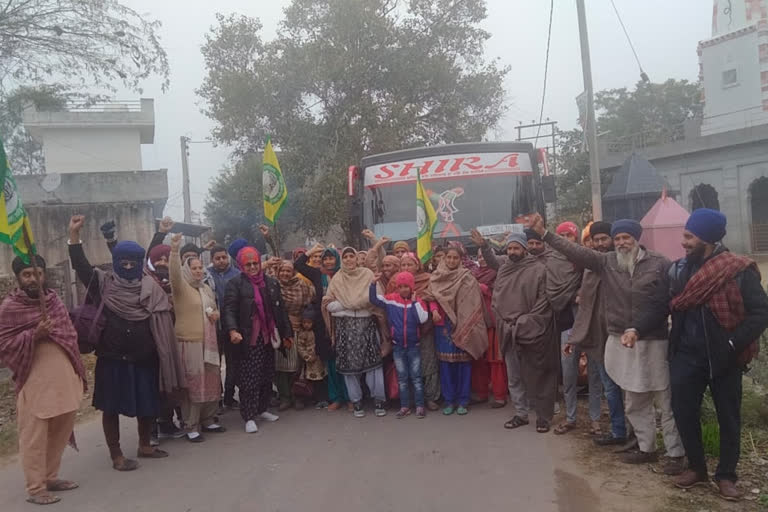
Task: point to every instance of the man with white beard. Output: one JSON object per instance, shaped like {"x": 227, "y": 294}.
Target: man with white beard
{"x": 633, "y": 279}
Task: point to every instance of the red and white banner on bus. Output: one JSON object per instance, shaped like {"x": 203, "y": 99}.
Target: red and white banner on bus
{"x": 449, "y": 166}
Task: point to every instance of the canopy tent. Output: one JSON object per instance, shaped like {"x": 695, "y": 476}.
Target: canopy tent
{"x": 663, "y": 227}
{"x": 633, "y": 190}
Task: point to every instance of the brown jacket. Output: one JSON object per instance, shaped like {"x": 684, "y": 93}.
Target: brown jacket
{"x": 589, "y": 331}
{"x": 626, "y": 297}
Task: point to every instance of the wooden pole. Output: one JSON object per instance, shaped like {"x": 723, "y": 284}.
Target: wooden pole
{"x": 276, "y": 238}
{"x": 35, "y": 269}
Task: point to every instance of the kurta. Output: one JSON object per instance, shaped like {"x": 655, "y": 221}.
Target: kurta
{"x": 640, "y": 369}
{"x": 53, "y": 387}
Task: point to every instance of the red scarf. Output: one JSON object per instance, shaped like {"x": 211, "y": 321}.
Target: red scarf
{"x": 714, "y": 285}
{"x": 263, "y": 323}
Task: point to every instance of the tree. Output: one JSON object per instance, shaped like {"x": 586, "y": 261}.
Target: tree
{"x": 346, "y": 78}
{"x": 649, "y": 114}
{"x": 79, "y": 44}
{"x": 25, "y": 154}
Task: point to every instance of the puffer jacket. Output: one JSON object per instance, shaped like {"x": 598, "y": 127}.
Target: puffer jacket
{"x": 404, "y": 316}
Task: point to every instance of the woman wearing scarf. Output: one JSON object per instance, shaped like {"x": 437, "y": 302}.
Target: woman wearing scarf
{"x": 460, "y": 329}
{"x": 196, "y": 317}
{"x": 355, "y": 332}
{"x": 319, "y": 265}
{"x": 429, "y": 366}
{"x": 297, "y": 295}
{"x": 257, "y": 323}
{"x": 137, "y": 349}
{"x": 491, "y": 369}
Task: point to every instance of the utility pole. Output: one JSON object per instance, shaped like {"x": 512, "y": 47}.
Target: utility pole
{"x": 185, "y": 178}
{"x": 591, "y": 125}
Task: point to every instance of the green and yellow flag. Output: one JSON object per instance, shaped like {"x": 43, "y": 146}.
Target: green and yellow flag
{"x": 275, "y": 193}
{"x": 426, "y": 220}
{"x": 13, "y": 217}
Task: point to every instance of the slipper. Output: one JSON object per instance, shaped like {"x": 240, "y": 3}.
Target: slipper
{"x": 564, "y": 428}
{"x": 542, "y": 427}
{"x": 61, "y": 485}
{"x": 127, "y": 465}
{"x": 154, "y": 454}
{"x": 516, "y": 422}
{"x": 43, "y": 499}
{"x": 596, "y": 430}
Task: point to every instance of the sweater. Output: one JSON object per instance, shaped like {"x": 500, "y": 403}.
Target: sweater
{"x": 403, "y": 316}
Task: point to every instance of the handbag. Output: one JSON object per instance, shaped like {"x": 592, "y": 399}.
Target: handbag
{"x": 89, "y": 323}
{"x": 302, "y": 387}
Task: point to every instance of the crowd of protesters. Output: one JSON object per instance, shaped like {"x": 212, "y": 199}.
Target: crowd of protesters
{"x": 179, "y": 344}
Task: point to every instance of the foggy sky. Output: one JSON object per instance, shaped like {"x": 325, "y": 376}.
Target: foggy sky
{"x": 665, "y": 35}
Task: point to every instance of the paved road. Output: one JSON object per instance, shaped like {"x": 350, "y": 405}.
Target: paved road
{"x": 320, "y": 461}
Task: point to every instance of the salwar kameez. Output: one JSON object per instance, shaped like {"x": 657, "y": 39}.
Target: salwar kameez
{"x": 429, "y": 367}
{"x": 359, "y": 353}
{"x": 256, "y": 369}
{"x": 455, "y": 367}
{"x": 199, "y": 401}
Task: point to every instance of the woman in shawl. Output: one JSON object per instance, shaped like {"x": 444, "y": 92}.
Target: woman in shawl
{"x": 319, "y": 265}
{"x": 457, "y": 310}
{"x": 355, "y": 332}
{"x": 297, "y": 295}
{"x": 137, "y": 357}
{"x": 196, "y": 317}
{"x": 489, "y": 370}
{"x": 429, "y": 367}
{"x": 257, "y": 324}
{"x": 438, "y": 253}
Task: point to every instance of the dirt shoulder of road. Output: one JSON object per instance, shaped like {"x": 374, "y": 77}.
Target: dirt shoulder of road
{"x": 8, "y": 433}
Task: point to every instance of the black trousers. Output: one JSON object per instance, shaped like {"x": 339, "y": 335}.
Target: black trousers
{"x": 689, "y": 381}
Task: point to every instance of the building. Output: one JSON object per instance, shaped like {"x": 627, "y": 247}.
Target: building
{"x": 721, "y": 160}
{"x": 100, "y": 137}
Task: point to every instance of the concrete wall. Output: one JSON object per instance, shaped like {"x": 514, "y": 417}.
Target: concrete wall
{"x": 91, "y": 149}
{"x": 730, "y": 171}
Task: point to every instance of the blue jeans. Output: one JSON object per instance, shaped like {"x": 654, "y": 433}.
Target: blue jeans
{"x": 408, "y": 366}
{"x": 615, "y": 399}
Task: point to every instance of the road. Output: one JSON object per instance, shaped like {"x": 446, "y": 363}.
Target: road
{"x": 320, "y": 461}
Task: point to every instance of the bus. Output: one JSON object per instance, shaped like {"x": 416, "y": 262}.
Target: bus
{"x": 491, "y": 186}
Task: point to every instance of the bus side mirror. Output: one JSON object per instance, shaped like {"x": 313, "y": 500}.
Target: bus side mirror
{"x": 548, "y": 189}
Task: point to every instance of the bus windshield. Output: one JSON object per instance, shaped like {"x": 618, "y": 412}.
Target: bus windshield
{"x": 489, "y": 202}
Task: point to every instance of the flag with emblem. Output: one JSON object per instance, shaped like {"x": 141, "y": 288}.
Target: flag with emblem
{"x": 275, "y": 193}
{"x": 426, "y": 220}
{"x": 13, "y": 217}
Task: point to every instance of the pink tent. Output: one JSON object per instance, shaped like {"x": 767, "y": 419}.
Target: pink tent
{"x": 663, "y": 227}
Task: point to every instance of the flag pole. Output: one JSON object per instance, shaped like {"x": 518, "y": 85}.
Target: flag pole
{"x": 35, "y": 269}
{"x": 277, "y": 240}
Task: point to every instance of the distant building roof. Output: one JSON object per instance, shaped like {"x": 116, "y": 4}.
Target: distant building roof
{"x": 636, "y": 177}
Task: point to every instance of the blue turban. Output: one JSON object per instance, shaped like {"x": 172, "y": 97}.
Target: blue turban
{"x": 707, "y": 224}
{"x": 518, "y": 238}
{"x": 235, "y": 247}
{"x": 130, "y": 251}
{"x": 629, "y": 226}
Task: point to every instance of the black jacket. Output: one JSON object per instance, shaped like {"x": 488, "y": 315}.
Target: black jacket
{"x": 322, "y": 340}
{"x": 722, "y": 346}
{"x": 239, "y": 308}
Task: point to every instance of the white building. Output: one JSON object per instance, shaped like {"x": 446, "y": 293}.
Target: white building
{"x": 733, "y": 66}
{"x": 93, "y": 138}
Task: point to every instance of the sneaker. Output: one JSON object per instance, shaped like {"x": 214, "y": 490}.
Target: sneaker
{"x": 358, "y": 411}
{"x": 169, "y": 431}
{"x": 268, "y": 416}
{"x": 640, "y": 458}
{"x": 421, "y": 413}
{"x": 380, "y": 410}
{"x": 402, "y": 413}
{"x": 215, "y": 428}
{"x": 448, "y": 410}
{"x": 322, "y": 405}
{"x": 154, "y": 441}
{"x": 462, "y": 411}
{"x": 195, "y": 437}
{"x": 674, "y": 466}
{"x": 251, "y": 427}
{"x": 690, "y": 478}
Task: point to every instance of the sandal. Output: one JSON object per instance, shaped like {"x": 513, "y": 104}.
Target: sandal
{"x": 154, "y": 454}
{"x": 516, "y": 422}
{"x": 125, "y": 464}
{"x": 61, "y": 485}
{"x": 542, "y": 426}
{"x": 43, "y": 499}
{"x": 564, "y": 428}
